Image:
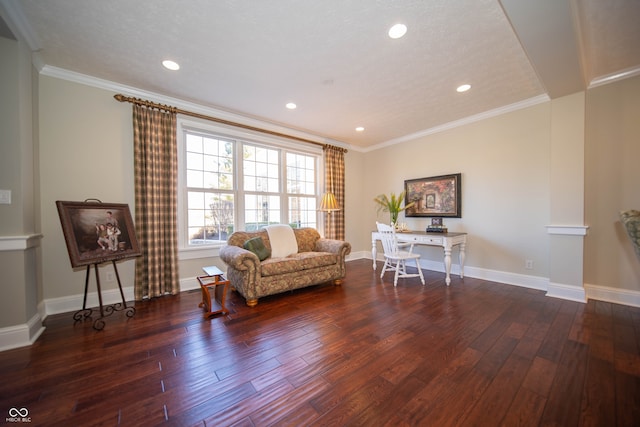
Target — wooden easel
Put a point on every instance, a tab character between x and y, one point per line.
105	311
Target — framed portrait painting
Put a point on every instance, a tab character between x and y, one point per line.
97	232
436	196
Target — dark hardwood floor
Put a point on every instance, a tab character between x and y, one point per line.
364	353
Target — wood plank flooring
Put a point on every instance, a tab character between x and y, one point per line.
365	353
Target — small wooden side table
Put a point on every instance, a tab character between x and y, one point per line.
215	281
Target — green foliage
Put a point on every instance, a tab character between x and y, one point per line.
392	204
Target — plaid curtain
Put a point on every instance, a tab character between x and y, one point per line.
334	182
156	162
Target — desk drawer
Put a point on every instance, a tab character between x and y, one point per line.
428	240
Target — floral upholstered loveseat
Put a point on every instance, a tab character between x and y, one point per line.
317	260
631	221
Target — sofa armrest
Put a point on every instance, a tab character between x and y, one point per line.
239	258
339	247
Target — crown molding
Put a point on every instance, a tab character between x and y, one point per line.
465	121
72	76
614	77
108	85
87	80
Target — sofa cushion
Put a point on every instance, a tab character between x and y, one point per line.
298	262
256	245
283	240
307	239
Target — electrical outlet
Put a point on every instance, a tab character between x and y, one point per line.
5	197
528	264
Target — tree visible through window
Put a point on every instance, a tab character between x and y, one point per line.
210	183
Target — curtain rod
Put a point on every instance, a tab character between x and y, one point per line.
138	101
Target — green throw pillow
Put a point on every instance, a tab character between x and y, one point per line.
256	245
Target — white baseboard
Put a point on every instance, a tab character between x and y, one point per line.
515	279
189	284
26	334
568	292
358	255
74	302
555	290
614	295
21	335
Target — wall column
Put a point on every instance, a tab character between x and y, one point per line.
567	229
20	320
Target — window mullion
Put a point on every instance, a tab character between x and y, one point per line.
239	185
284	194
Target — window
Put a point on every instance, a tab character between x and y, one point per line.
230	183
209	182
301	190
261	177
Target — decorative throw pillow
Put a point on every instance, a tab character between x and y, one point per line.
256	245
283	240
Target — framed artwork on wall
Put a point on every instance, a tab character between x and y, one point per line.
97	232
436	196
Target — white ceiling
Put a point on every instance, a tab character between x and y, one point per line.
333	58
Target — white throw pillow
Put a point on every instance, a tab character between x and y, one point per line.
283	240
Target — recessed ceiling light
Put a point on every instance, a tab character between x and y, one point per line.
359	129
170	65
397	31
291	106
463	88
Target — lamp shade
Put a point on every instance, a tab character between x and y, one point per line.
329	203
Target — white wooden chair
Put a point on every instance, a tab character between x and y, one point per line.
394	257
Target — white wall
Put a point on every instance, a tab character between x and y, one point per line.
356	203
612	162
9	117
504	163
85	152
77	144
566	195
19	253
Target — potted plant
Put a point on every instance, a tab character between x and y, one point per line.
392	204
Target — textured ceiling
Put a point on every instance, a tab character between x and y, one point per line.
334	59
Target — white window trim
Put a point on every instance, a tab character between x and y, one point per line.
185	124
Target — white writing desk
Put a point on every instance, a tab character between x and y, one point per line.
444	240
